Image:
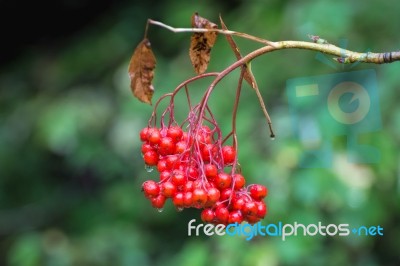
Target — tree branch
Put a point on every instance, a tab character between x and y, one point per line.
342	55
227	32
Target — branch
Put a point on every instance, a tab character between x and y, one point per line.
227	32
343	56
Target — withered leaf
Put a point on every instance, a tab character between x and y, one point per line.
248	75
201	43
141	71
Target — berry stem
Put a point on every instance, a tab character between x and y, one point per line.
261	101
235	107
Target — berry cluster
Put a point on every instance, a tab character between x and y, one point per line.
192	170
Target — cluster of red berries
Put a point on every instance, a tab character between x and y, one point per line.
191	168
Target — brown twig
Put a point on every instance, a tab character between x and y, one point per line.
343	55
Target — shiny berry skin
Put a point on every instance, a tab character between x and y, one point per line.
251	219
249	208
228	154
143	134
235	217
175	133
192	173
173	161
213	195
239	181
199	197
151	189
158	202
258	192
165	175
154	136
210	171
238	203
150	158
197	184
147	147
226	194
261	209
204	135
223	180
222	215
166	146
168	189
207	215
208	151
162	165
177	200
188	186
180	147
178	178
188	199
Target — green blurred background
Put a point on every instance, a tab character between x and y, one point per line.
70	163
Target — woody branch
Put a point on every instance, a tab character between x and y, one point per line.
343	55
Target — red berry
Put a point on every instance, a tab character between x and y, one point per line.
239	181
251	219
210	171
173	162
213	195
192	173
185	137
154	136
235	217
250	208
164	176
188	186
199	197
197	184
238	203
177	200
143	134
258	192
150	158
166	146
168	189
151	189
222	214
147	147
180	147
178	178
162	165
207	215
204	135
158	202
226	194
175	133
208	152
261	209
188	199
228	154
223	180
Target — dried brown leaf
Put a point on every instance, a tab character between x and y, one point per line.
248	75
201	43
141	71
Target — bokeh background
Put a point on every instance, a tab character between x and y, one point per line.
70	163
